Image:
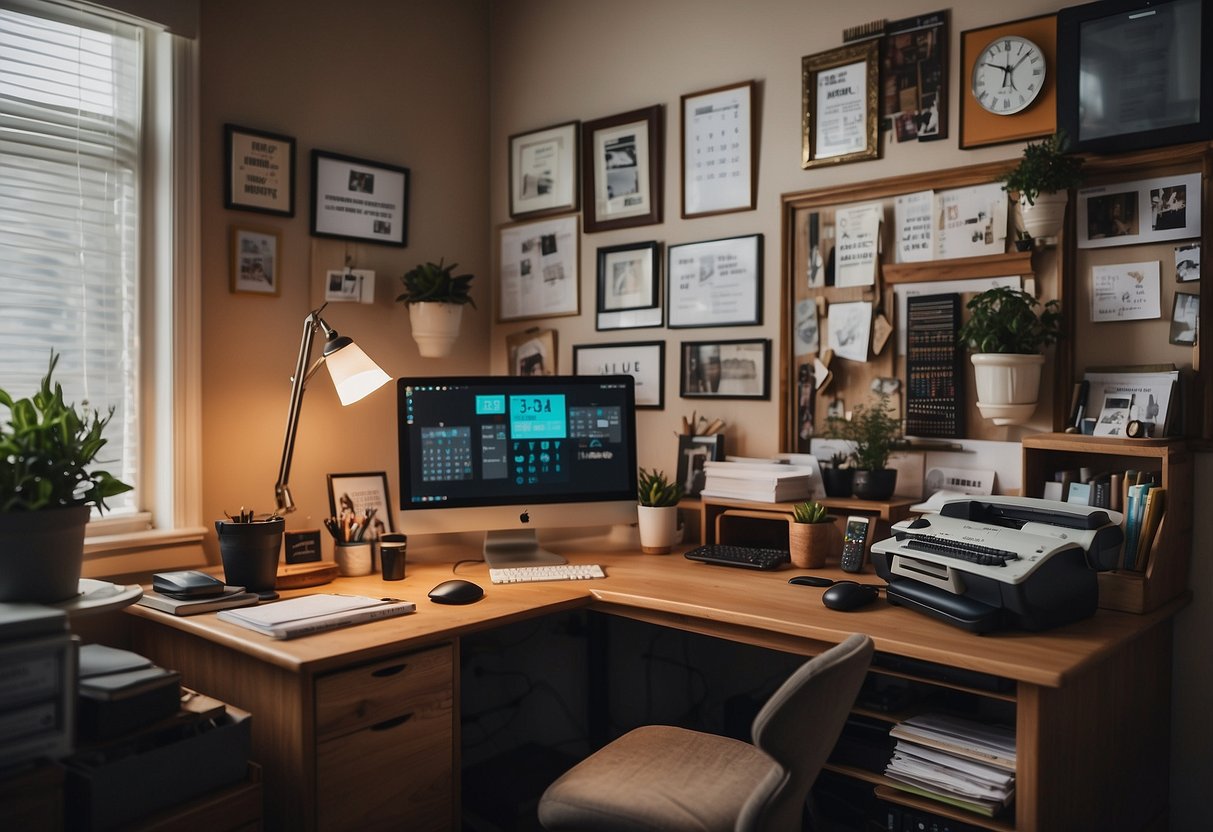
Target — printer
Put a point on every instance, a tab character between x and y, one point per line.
986	563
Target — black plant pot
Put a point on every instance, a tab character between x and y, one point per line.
837	481
875	485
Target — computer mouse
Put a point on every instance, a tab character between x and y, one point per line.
456	592
849	595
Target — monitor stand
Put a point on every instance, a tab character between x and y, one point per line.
506	548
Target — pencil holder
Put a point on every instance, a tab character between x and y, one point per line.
250	553
353	559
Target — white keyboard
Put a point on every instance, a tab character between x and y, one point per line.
560	572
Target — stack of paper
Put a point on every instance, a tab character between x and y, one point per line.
958	761
314	613
766	482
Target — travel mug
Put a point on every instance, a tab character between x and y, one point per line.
392	548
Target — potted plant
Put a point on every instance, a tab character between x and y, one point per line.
838	478
872	430
811	535
435	298
1042	180
658	511
1006	335
249	545
48	488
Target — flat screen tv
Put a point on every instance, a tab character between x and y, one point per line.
1134	74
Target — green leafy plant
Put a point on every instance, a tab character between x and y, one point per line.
436	283
1045	169
810	512
873	430
653	489
47	447
1005	320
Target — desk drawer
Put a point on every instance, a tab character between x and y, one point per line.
385	690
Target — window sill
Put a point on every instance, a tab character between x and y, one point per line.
139	554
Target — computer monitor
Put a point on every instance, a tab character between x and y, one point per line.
512	455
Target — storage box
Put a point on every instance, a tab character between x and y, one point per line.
107	795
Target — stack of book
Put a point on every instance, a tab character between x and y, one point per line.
764	482
957	761
230	596
37	683
121	691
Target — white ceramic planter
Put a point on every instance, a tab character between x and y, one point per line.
1008	386
435	327
658	528
1043	219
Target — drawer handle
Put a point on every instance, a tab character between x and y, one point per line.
393	722
389	671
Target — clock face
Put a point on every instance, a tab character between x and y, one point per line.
1008	75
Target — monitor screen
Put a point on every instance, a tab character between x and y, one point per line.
512	455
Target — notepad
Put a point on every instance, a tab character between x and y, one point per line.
315	613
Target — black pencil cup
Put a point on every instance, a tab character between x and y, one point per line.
250	554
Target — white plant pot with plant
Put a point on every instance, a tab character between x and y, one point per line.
1042	180
435	298
1006	335
47	490
657	512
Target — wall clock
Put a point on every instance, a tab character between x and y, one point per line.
1010	86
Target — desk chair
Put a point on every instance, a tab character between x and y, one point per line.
663	778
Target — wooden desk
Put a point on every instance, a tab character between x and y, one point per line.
1091	699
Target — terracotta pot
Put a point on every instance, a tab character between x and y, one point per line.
658	528
811	544
41	554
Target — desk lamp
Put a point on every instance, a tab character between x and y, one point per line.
354	375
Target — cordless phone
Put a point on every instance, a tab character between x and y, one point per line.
854	543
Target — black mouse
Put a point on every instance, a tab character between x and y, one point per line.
849	595
456	592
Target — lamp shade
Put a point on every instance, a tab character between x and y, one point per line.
354	374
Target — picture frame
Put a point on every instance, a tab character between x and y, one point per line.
1140	211
629	277
693	452
361	492
840	105
1187	263
260	171
715	283
643	360
256	263
622	169
1185	319
538	269
719	158
532	352
544	171
914	77
357	199
978	126
737	369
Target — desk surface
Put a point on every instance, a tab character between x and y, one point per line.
743	605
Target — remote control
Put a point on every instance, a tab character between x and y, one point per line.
854	543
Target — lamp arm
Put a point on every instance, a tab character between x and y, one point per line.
282	490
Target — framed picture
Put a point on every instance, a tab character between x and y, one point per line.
622	169
914	77
256	261
1008	82
538	269
1187	263
1185	319
643	361
719	160
544	170
1141	211
628	277
260	171
725	369
715	283
532	353
356	199
693	452
839	105
361	494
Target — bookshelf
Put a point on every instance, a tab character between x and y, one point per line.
1165	575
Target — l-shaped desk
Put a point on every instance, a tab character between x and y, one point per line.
358	728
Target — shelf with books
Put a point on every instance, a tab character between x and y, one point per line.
1160	572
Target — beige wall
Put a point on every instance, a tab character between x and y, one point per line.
401	83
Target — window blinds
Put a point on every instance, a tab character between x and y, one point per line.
69	225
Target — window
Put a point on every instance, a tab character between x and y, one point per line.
98	241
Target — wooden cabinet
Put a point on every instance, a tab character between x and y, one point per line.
1166	568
